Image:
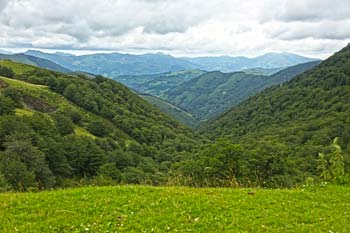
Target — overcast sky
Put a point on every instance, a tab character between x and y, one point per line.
315	28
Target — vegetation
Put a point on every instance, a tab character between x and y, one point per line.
177	113
35	61
213	93
285	127
58	130
177	209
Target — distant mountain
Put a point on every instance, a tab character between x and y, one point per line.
212	93
5	52
157	84
266	61
35	61
262	71
116	64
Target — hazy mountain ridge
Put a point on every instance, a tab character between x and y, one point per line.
115	64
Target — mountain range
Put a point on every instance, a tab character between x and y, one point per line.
115	64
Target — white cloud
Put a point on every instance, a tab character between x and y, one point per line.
180	27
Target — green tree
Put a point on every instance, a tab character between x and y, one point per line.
331	166
7	106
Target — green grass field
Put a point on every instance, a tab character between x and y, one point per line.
177	209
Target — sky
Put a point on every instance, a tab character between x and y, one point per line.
315	28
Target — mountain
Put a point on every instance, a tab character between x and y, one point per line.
212	93
157	84
288	125
177	113
116	64
59	130
5	52
35	61
266	61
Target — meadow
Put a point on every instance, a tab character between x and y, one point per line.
177	209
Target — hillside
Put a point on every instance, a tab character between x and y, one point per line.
280	132
229	64
116	64
35	61
58	130
157	84
177	113
177	209
212	93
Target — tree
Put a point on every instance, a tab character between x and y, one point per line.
331	166
6	71
98	128
7	106
64	125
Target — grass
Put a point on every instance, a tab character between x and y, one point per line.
176	209
23	112
83	132
18	68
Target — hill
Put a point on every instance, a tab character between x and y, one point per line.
229	64
116	64
58	130
177	113
35	61
177	209
279	133
157	84
212	93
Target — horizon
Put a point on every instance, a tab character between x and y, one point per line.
92	52
180	28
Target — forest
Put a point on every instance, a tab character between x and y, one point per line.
61	130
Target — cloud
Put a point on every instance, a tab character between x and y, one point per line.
184	27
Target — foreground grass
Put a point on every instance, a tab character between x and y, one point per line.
176	209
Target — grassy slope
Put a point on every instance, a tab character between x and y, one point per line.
55	100
177	209
35	61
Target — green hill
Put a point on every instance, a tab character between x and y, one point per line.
35	61
212	93
177	209
59	130
177	113
157	84
280	132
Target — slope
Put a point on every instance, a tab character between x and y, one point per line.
35	61
58	130
285	127
157	84
213	93
177	113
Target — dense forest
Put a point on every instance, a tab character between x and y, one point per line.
278	135
59	130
